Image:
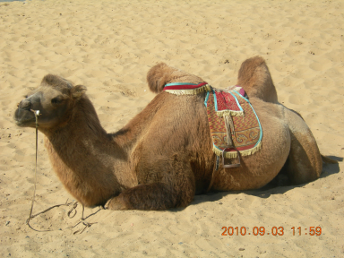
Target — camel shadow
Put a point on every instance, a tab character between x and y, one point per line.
279	185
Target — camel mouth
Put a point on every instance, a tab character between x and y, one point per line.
24	118
23	123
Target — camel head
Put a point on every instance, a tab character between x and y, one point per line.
54	98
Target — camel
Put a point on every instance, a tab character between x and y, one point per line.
163	156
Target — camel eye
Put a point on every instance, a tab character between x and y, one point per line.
57	100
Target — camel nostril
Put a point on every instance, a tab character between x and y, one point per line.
24	104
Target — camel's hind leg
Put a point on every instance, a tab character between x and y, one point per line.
304	163
160	190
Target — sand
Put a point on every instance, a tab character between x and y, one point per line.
109	46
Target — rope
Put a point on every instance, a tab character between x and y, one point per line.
71	213
36	112
73	209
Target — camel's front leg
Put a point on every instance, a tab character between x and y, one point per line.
176	189
116	203
156	196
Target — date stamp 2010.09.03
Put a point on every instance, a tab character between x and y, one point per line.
273	231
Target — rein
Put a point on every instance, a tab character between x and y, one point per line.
36	112
71	213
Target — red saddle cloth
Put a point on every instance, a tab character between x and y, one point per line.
245	131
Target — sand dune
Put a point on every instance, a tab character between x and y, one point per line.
109	46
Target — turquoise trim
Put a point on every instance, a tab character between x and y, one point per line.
216	147
215	100
260	126
236	100
206	99
241	95
179	83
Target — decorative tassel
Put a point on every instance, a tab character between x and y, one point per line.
223	113
234	154
205	88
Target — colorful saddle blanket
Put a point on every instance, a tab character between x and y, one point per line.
243	127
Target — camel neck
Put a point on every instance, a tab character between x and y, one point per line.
82	128
85	157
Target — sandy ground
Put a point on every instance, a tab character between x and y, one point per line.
109	46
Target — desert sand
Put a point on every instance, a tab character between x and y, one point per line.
109	46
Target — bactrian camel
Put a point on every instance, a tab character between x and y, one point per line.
164	156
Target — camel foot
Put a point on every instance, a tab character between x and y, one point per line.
115	203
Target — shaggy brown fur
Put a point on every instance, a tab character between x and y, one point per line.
162	74
255	78
163	156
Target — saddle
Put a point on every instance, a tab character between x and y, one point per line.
234	125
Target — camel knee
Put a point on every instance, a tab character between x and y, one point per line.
116	203
175	189
169	184
302	172
303	165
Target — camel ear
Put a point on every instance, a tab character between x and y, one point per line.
157	77
78	90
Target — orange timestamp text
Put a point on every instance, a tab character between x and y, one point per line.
273	231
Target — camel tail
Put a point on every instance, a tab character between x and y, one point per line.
328	160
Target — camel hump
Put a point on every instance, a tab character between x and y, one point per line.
161	74
156	77
255	78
